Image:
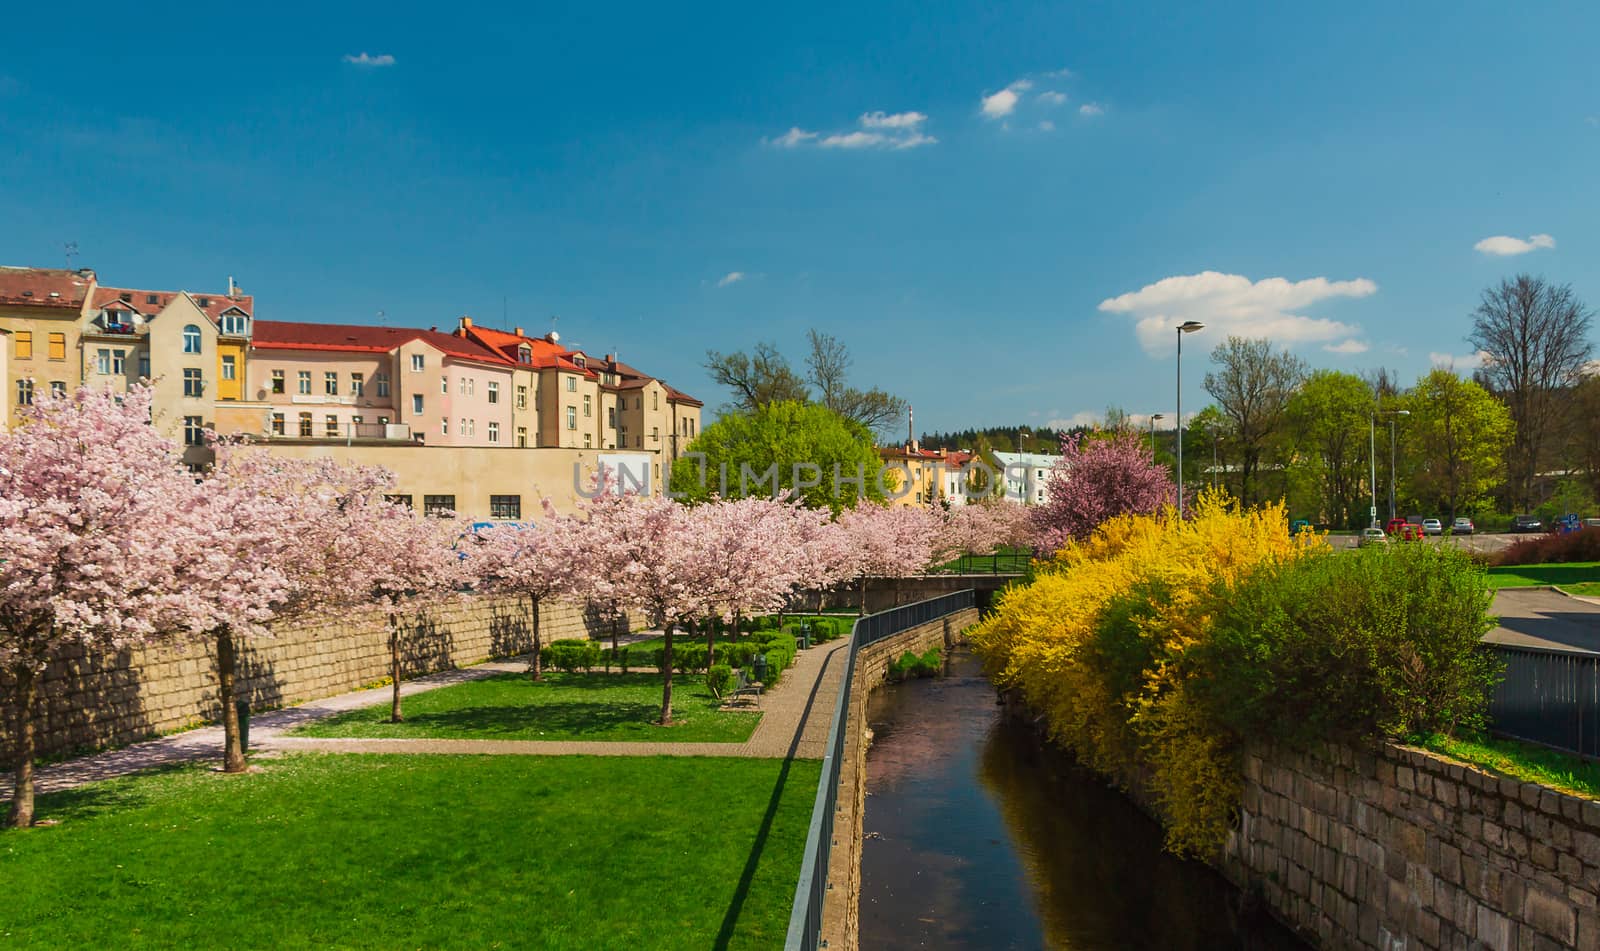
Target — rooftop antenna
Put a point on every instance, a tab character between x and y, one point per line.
71	249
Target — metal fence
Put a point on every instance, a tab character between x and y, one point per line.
1550	697
805	920
1000	563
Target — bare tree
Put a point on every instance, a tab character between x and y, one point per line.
758	378
1252	386
1535	338
827	367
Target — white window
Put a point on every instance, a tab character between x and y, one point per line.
103	361
277	381
416	403
586	440
304	379
194	432
119	361
444	425
461	384
494	392
235	324
330	383
192	384
572	384
572	417
587	407
381	381
522	397
144	366
358	384
277	424
444	385
494	432
417	361
191	339
230	367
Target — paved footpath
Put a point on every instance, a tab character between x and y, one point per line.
795	718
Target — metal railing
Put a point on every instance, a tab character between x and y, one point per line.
1002	563
805	919
1551	697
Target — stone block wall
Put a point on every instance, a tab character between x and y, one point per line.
841	913
91	700
1398	848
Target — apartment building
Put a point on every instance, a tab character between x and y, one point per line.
41	310
1027	475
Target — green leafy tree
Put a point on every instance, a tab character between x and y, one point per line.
1252	384
1455	441
788	447
1327	420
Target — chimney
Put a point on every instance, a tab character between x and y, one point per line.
466	322
519	331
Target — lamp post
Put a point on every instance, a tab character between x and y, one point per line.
1394	418
1187	327
1372	456
1153	418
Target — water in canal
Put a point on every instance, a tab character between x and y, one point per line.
981	837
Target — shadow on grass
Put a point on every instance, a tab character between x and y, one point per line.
1547	574
753	862
576	718
95	799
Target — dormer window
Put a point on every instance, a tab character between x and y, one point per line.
125	298
235	324
524	354
580	361
203	301
152	298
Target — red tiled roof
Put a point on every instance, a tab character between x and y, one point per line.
679	396
44	287
360	338
139	300
545	354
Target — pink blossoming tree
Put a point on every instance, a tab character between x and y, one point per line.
90	498
1096	480
890	541
535	562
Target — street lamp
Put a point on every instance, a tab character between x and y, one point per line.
1372	456
1153	418
1187	327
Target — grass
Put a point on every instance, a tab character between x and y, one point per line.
1578	577
1527	762
1015	560
601	707
417	851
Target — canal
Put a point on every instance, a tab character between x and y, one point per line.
979	836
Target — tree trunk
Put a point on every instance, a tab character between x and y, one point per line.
666	679
863	595
536	667
616	618
396	715
232	751
21	814
711	643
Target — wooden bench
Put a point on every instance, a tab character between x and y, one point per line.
743	686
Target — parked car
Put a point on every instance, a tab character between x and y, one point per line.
1299	525
1462	526
1591	523
1372	536
1526	523
1568	524
1432	526
1403	529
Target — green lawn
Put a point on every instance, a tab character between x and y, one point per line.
1524	761
417	852
1578	577
561	707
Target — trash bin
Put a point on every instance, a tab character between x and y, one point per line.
805	635
760	664
243	708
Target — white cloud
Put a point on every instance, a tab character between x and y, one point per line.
1461	364
1052	98
1091	109
1350	346
854	140
879	130
1059	74
1003	103
732	277
1502	246
1081	418
366	59
794	137
898	120
1233	305
1047	126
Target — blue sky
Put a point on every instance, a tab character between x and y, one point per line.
979	199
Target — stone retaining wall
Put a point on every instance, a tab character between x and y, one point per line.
841	914
1398	848
94	700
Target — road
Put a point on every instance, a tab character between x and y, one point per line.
1543	617
1482	544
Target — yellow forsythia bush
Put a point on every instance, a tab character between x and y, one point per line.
1094	644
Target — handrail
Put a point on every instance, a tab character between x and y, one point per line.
810	892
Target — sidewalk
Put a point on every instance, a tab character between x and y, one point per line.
794	721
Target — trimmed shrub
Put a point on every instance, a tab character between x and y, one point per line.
688	658
571	656
1581	545
718	678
